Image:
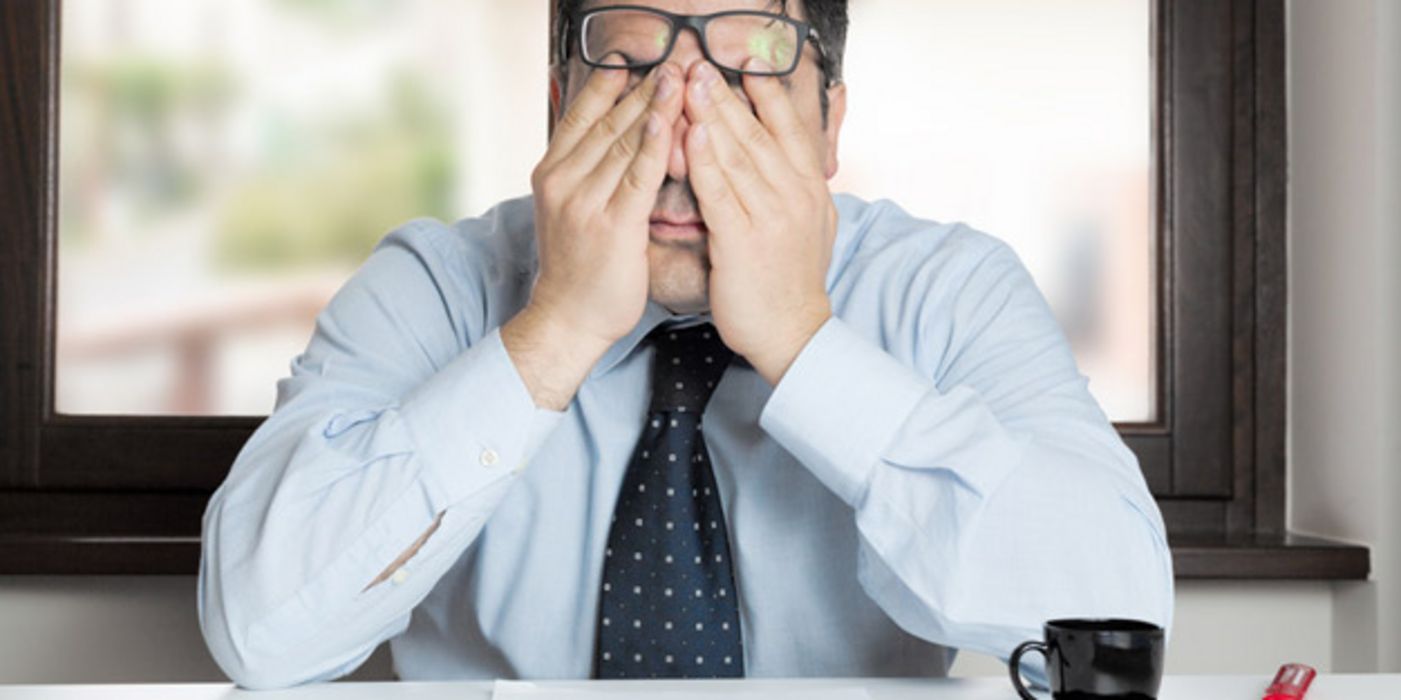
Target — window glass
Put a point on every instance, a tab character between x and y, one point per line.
1029	120
226	165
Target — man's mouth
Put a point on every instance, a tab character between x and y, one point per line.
666	229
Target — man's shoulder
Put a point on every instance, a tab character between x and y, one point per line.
480	269
503	235
881	236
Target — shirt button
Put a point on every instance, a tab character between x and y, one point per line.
400	576
489	458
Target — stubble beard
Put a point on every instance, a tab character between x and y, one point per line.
679	270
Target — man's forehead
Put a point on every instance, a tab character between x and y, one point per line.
705	7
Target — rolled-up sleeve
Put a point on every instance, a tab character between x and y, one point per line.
990	490
403	408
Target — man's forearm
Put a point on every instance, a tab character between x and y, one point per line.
552	361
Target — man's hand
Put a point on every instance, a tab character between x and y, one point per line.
594	193
764	197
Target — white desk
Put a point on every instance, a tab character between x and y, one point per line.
1326	687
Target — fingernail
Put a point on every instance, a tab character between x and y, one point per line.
664	86
706	72
654	125
758	64
700	91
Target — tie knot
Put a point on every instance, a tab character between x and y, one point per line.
688	364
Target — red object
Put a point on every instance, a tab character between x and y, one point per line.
1291	682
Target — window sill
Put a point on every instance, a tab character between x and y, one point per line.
1287	556
61	555
1194	557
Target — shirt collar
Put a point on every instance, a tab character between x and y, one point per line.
653	316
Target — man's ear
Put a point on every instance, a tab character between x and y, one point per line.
556	97
836	114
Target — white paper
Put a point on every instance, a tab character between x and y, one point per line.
675	690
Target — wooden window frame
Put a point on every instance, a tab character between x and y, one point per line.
116	495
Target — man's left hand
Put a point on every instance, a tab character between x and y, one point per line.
763	194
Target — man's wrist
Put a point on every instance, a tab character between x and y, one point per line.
555	331
773	361
551	359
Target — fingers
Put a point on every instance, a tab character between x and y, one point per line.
639	178
720	205
775	107
662	84
636	160
747	158
597	98
712	101
633	168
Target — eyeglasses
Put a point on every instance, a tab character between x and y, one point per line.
643	37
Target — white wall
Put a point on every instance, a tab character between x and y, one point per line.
117	629
1389	222
135	629
1345	400
1233	627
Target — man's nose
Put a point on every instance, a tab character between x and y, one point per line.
687	51
676	164
685	54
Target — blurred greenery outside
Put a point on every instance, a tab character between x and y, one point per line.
134	100
225	165
324	190
340	13
354	181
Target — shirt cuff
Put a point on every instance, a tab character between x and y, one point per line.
475	422
839	405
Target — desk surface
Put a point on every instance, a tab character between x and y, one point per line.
1326	687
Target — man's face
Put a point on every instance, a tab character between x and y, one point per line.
677	251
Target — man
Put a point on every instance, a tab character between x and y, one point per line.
680	413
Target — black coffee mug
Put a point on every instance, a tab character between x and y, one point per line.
1097	659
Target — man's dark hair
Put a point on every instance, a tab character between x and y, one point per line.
828	17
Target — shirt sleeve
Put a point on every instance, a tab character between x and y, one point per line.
990	491
385	423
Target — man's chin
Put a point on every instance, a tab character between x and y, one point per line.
678	305
680	274
695	310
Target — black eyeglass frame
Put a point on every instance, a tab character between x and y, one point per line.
697	23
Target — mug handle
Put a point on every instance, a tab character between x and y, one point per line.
1014	666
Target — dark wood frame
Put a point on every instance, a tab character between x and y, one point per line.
91	494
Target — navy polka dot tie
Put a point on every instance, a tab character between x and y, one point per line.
668	607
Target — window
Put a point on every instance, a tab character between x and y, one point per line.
225	166
124	493
977	112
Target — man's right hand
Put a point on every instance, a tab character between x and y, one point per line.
594	193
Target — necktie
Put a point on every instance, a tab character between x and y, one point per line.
668	607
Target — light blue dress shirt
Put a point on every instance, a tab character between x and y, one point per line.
930	474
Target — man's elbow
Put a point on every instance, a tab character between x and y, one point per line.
256	674
255	669
257	657
227	637
1152	567
229	648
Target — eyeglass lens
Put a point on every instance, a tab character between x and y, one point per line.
642	38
